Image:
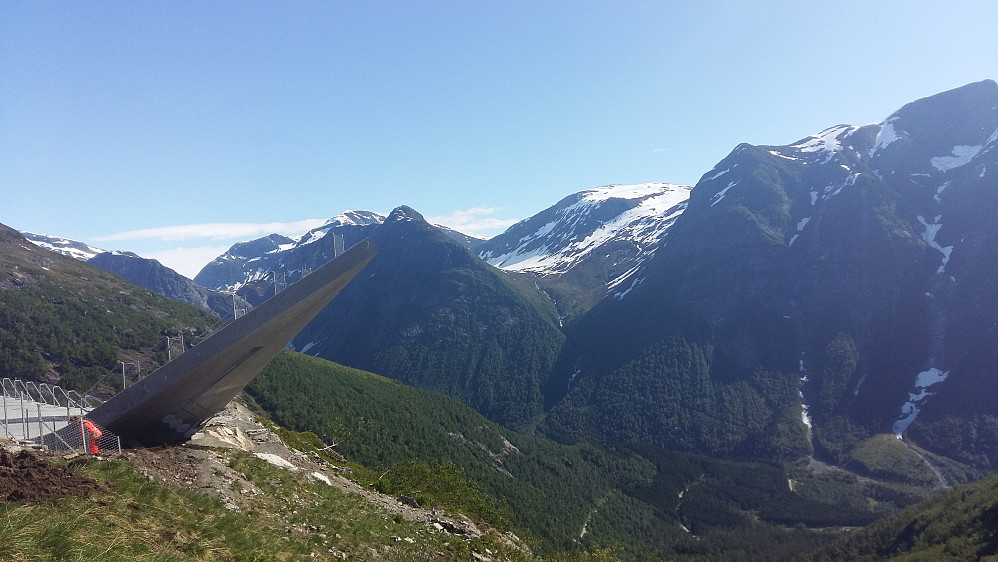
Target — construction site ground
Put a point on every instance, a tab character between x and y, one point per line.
201	465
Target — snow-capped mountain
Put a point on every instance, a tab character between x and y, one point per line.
65	246
558	238
584	246
860	260
248	262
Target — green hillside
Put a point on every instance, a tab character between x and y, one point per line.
428	312
568	497
960	524
66	322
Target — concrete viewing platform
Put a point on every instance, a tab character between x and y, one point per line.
24	420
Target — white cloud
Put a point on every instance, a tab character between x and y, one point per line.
186	261
217	231
477	221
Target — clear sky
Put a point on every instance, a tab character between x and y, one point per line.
174	129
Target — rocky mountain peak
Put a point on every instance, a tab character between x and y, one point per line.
404	213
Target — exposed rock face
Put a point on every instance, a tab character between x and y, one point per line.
163	280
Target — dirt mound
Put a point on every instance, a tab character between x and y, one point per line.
26	477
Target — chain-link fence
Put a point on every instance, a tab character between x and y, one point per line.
46	416
82	436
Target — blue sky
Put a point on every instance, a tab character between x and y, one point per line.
175	129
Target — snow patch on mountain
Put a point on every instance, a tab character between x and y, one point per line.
720	194
356	218
961	154
570	235
65	246
829	140
833	189
346	218
620	279
800	227
781	155
916	400
931	229
805	416
718	174
886	135
940	191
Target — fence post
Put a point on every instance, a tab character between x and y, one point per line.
41	429
6	430
83	435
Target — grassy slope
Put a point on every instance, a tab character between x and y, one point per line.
290	518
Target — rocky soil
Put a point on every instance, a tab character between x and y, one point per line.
202	465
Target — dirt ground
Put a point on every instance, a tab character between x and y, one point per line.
28	477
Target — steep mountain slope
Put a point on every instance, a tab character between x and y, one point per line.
857	259
580	248
163	280
470	242
69	322
429	313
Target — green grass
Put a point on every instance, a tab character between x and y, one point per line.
135	519
884	457
293	518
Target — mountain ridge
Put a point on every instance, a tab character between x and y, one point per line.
782	249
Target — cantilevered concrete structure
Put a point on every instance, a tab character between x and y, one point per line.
173	402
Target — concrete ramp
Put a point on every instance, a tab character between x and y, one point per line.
173	402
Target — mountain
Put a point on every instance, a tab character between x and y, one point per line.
652	502
833	288
67	322
151	274
142	272
65	246
556	239
429	313
583	246
248	262
246	266
468	241
799	300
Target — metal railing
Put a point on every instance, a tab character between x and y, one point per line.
50	417
47	394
